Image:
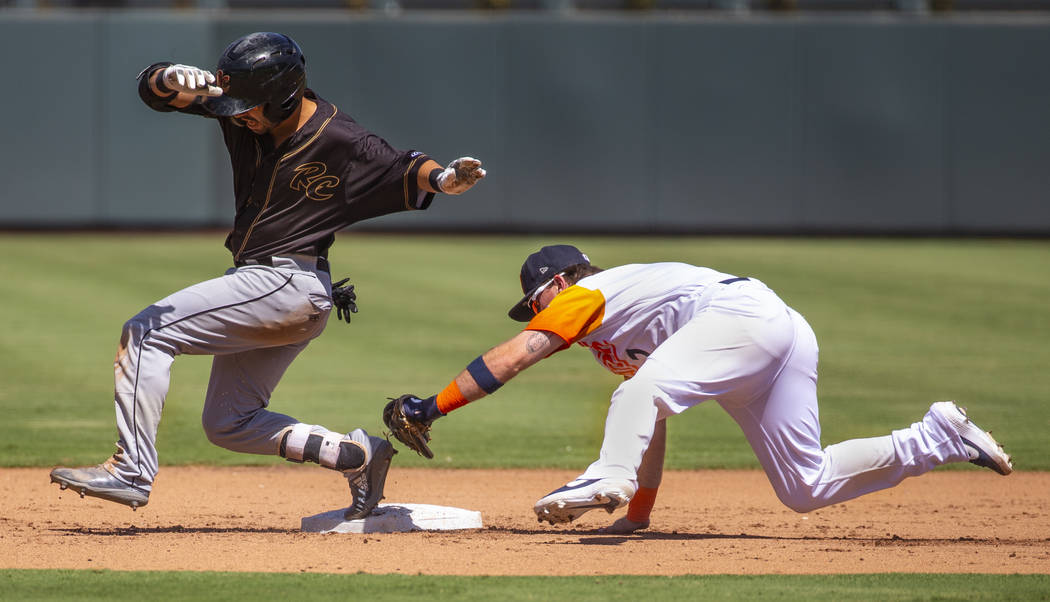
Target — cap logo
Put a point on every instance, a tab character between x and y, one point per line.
543	270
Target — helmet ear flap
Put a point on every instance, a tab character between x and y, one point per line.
277	113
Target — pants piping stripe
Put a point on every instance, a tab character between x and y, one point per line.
138	364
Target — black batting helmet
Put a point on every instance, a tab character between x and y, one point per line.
260	69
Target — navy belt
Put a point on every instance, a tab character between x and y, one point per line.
322	263
732	280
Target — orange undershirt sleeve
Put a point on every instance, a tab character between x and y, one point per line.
641	504
573	314
451	398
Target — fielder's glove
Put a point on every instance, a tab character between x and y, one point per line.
345	299
409	418
460	175
189	80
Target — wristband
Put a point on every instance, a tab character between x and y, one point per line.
433	179
483	376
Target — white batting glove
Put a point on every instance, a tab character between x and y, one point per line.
460	175
190	80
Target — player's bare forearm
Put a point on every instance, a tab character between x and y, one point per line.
509	358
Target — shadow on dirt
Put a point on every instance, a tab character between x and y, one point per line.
595	537
133	531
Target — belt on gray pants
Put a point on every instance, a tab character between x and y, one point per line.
322	262
732	280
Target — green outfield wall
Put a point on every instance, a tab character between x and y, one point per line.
660	122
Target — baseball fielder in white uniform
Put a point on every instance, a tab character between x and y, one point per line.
681	335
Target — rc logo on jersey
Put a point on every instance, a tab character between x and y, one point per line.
311	179
605	352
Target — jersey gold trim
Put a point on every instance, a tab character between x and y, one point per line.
404	180
273	178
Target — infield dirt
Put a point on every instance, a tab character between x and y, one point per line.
705	522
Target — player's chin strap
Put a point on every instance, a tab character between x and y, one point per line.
331	450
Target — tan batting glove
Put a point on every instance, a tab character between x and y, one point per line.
190	80
460	175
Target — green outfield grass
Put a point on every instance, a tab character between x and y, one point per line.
901	323
115	586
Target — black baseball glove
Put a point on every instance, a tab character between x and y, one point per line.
409	418
345	299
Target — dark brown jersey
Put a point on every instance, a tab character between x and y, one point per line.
329	174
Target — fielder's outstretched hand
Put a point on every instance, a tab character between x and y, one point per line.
409	419
190	80
460	175
623	526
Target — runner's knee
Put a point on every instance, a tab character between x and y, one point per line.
142	329
228	428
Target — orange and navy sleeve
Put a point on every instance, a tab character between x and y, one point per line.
572	315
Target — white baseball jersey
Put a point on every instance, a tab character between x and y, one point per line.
622	314
683	334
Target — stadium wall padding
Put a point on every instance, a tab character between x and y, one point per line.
658	123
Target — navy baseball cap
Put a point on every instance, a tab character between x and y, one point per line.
538	269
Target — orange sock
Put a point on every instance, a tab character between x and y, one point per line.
641	504
451	398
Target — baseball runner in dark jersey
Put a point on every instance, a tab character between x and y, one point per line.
302	171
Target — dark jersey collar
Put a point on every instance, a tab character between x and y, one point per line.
324	110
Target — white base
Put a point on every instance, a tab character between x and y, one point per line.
395	518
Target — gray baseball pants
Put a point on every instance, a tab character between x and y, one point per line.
255	320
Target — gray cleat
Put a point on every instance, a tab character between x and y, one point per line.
366	483
98	482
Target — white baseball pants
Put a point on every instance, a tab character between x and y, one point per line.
255	320
758	358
